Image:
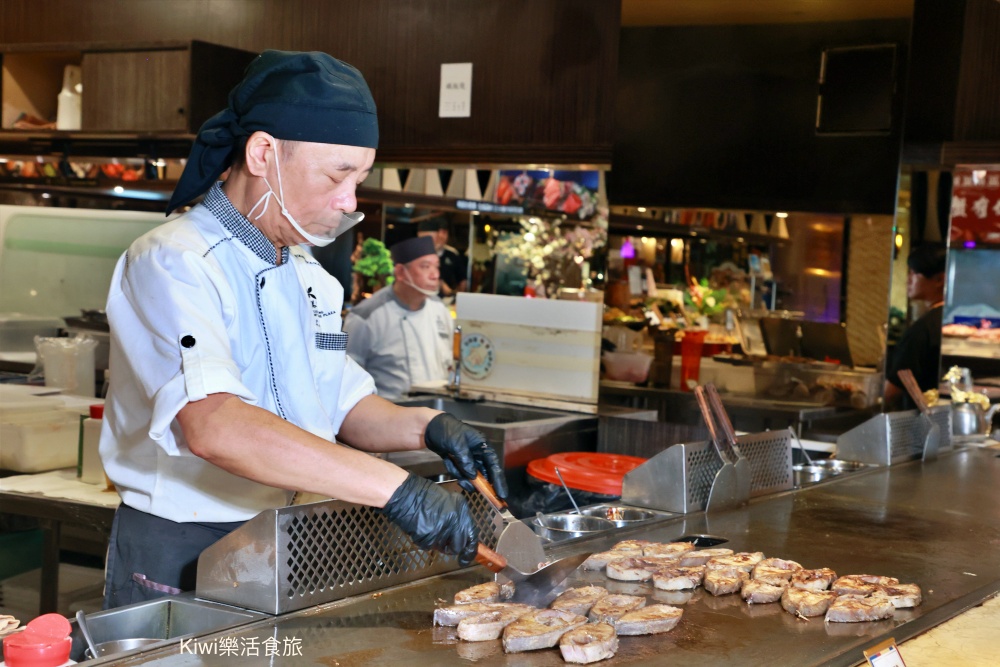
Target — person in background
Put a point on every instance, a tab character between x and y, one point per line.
230	385
402	333
919	348
454	266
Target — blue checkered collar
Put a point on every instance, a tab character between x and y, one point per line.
242	229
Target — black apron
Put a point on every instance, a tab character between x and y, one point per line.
150	557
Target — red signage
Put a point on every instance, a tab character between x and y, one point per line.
975	207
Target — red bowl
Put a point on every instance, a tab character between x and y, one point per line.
27	649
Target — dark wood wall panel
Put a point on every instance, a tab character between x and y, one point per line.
977	105
542	70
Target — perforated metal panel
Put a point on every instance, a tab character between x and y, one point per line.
296	557
941	415
679	479
702	465
770	457
886	439
906	436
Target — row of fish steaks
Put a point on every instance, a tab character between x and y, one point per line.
586	622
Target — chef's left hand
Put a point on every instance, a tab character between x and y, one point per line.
465	451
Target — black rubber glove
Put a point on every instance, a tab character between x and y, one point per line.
434	518
465	451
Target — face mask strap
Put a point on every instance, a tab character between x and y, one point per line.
409	281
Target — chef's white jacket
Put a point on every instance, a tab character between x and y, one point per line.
199	306
398	346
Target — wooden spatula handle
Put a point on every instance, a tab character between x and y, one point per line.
482	485
490	559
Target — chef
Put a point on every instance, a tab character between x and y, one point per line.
402	334
230	385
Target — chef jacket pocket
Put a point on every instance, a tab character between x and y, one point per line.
191	367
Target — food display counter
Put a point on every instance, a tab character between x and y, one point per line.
934	523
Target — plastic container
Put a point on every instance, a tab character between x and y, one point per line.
38	440
626	366
45	642
69	363
69	113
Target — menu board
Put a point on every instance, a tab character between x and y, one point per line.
975	207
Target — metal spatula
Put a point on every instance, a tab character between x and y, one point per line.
536	586
744	474
518	543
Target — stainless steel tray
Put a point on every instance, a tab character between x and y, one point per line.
300	556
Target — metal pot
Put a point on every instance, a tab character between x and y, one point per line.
564	526
121	646
621	516
970	419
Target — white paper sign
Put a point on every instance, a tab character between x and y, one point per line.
456	91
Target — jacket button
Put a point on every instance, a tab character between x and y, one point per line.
187	341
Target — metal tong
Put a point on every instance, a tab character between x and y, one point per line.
731	487
932	440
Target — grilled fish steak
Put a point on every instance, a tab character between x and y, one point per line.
589	643
675	549
723	581
859	608
702	556
775	571
744	561
610	608
804	603
488	626
813	580
903	595
632	545
579	600
638	569
488	592
757	591
541	628
678	578
600	560
455	613
651	620
861	584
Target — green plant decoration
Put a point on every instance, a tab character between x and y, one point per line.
375	264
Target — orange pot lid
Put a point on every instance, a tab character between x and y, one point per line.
586	471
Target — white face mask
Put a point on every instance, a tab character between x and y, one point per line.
347	220
425	292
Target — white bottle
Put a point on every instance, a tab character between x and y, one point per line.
68	117
91	468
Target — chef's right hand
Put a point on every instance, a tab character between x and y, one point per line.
434	518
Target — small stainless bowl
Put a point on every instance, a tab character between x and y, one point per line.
620	516
837	466
563	526
811	474
120	646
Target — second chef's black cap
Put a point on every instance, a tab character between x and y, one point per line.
294	95
406	251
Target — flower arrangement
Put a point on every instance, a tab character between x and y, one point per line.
546	250
705	300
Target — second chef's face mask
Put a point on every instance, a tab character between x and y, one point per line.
345	221
409	281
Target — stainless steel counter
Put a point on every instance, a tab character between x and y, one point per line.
936	524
